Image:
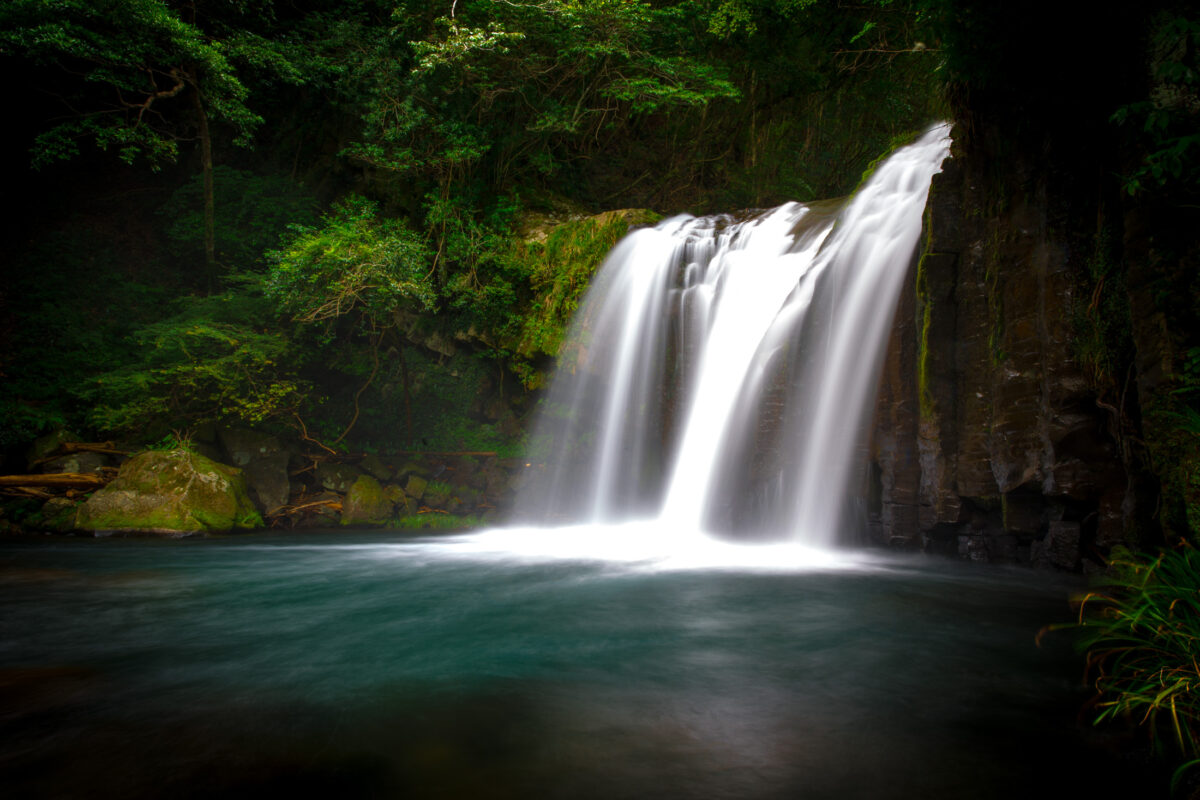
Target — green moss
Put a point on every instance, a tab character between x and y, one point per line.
560	268
366	503
163	491
928	407
903	139
995	300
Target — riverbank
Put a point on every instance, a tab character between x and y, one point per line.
238	479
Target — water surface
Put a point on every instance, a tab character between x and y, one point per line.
506	664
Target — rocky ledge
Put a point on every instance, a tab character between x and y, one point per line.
238	479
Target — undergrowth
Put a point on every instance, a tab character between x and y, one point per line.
1141	631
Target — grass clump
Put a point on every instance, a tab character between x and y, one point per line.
437	521
1141	631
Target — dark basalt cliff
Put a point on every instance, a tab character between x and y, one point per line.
992	440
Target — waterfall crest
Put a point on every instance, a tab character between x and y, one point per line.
719	373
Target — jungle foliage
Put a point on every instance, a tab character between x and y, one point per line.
341	197
435	137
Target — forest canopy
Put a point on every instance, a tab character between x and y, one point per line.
205	180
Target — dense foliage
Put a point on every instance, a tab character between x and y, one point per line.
438	136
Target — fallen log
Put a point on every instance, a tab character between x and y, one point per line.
67	448
344	457
479	453
57	480
107	448
26	491
283	511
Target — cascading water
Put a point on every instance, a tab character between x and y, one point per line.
719	373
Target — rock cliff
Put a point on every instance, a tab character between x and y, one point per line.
992	439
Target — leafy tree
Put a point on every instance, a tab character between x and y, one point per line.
134	76
501	94
355	276
252	213
217	358
356	265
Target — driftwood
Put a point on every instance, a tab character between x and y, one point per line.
479	453
107	448
67	448
288	515
56	480
284	511
343	457
25	491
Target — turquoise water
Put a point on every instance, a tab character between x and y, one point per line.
368	665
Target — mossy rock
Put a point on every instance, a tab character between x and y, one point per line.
367	503
174	492
437	496
404	504
415	488
44	446
412	468
336	477
374	466
58	514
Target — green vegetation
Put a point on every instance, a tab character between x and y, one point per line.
1103	344
212	288
207	363
1164	123
356	265
1141	630
370	221
558	270
436	521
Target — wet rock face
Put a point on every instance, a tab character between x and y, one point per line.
988	441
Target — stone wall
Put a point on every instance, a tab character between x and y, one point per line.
989	441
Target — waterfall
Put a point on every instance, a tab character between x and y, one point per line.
719	374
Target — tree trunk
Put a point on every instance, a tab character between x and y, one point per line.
408	430
206	164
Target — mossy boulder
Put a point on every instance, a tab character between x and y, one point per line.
374	466
404	504
438	495
366	503
264	461
174	492
336	477
58	514
415	488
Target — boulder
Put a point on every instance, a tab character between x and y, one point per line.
336	477
405	505
264	461
415	488
44	446
373	466
1060	548
412	468
173	492
366	503
76	462
58	514
437	496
